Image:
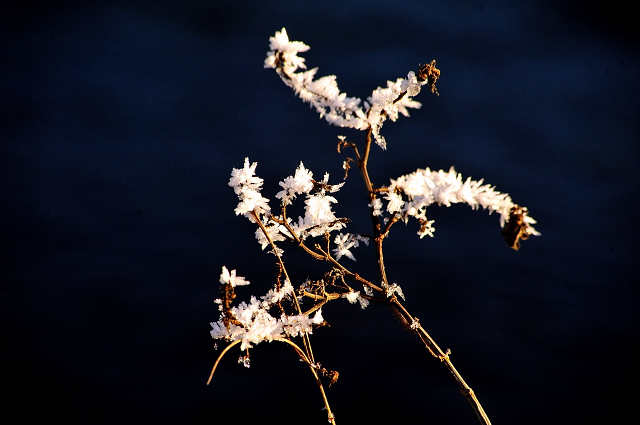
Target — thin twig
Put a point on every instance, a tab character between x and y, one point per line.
312	366
220	357
415	327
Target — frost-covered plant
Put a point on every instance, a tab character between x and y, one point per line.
286	312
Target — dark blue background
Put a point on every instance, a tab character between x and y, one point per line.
121	123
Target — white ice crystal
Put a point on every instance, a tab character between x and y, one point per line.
230	278
319	217
344	243
247	186
300	324
276	232
394	288
377	207
277	295
261	327
354	296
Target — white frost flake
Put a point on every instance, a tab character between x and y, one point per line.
230	278
344	243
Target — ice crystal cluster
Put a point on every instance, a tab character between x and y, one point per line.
424	187
252	322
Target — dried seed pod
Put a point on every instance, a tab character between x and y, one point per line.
517	227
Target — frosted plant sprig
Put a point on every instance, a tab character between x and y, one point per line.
284	312
424	187
324	95
319	217
252	323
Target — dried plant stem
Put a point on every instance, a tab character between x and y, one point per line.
412	324
330	415
377	233
257	323
302	355
408	321
227	348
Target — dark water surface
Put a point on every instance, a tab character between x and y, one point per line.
121	123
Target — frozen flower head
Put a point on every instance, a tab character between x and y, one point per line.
243	179
519	226
280	42
247	186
